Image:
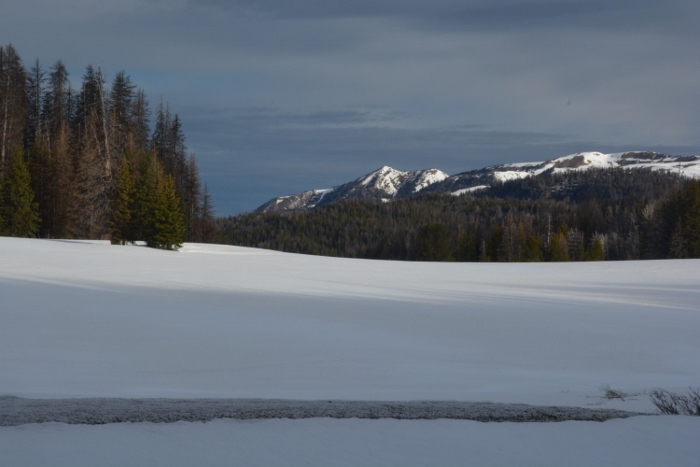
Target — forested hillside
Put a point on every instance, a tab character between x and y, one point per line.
85	163
598	214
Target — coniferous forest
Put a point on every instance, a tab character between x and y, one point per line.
617	214
84	163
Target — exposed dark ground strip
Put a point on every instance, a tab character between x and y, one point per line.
18	411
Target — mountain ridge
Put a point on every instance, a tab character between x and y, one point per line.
386	183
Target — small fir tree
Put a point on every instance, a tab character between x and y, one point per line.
596	253
168	220
559	249
19	210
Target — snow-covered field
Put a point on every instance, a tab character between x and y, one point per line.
87	319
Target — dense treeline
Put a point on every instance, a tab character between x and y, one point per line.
85	164
589	215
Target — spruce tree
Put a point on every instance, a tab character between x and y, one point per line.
144	199
19	210
168	220
156	216
121	226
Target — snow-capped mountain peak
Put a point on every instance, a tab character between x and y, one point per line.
385	178
384	184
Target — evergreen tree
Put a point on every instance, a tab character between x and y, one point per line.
531	249
56	107
140	116
121	99
35	96
208	230
191	199
559	249
20	212
168	221
145	199
596	252
160	131
121	226
157	216
88	106
13	103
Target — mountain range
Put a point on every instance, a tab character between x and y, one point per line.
386	183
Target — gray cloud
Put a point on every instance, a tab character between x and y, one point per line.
279	96
268	152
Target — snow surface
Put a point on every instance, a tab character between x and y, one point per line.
640	442
87	319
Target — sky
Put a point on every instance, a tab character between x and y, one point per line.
280	96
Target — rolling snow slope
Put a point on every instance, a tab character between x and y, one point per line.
89	319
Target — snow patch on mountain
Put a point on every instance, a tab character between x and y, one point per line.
688	166
469	190
510	175
425	178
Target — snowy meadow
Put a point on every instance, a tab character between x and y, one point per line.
85	319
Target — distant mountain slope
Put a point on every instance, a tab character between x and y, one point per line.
467	181
386	183
382	184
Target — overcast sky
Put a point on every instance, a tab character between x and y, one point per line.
281	96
